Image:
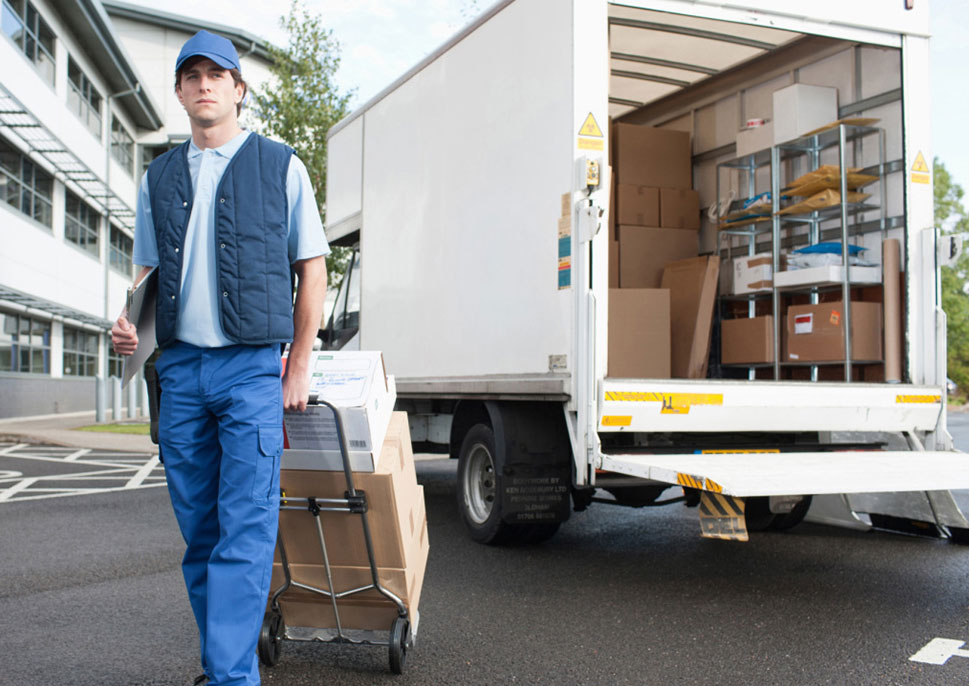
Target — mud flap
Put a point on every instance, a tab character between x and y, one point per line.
535	459
722	516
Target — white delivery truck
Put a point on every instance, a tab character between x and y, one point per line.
476	190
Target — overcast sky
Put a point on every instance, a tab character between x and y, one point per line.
381	39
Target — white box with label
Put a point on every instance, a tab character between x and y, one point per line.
357	383
801	108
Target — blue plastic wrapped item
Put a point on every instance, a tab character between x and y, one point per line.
829	247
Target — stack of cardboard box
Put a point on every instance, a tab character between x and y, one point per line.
655	222
398	528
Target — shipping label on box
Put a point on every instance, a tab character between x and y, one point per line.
357	384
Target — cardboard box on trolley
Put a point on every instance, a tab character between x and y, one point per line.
358	384
398	528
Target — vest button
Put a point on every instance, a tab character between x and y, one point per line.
173	297
222	246
221	200
225	294
185	203
176	249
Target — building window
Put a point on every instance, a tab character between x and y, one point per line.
25	186
81	224
150	152
25	27
24	344
122	146
82	99
120	252
80	352
115	364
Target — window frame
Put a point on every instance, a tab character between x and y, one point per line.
81	222
89	99
36	38
126	160
114	251
25	181
20	350
78	354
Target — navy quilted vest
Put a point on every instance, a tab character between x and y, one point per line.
254	282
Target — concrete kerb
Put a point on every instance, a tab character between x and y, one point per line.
61	430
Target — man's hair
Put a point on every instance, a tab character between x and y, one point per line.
235	73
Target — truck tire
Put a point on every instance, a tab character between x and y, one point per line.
757	514
479	493
789	520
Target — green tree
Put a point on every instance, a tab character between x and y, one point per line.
301	102
951	217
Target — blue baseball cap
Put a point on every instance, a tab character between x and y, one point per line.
204	44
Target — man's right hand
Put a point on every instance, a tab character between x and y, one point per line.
124	336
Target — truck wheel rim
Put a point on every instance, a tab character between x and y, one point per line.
479	484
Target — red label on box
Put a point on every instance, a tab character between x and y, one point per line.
835	318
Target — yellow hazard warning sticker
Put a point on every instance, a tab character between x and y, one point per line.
617	420
722	516
920	170
671	403
590	127
918	399
590	135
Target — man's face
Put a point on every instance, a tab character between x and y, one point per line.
208	93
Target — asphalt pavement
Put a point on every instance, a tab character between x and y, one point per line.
91	593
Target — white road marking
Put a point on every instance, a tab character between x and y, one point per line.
939	650
8	493
11	448
135	471
142	473
76	454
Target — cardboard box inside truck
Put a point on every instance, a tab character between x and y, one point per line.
643	252
693	288
815	333
747	340
637	205
647	156
679	208
639	333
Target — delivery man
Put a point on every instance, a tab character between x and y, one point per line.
227	217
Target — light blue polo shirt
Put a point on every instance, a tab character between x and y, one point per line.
198	303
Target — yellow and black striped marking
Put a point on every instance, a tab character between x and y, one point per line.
671	403
722	516
713	486
690	481
918	399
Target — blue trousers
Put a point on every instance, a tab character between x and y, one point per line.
220	429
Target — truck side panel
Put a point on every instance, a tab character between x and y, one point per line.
460	278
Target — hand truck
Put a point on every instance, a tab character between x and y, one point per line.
399	639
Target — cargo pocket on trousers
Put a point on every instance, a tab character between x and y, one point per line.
267	466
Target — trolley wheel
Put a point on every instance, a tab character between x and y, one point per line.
270	643
399	637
